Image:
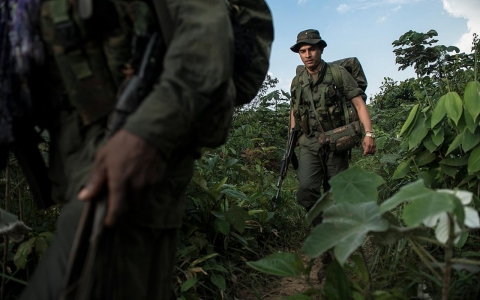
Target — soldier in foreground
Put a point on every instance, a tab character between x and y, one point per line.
145	166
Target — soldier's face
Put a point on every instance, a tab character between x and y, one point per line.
311	56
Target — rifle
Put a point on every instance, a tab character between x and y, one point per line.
91	232
288	156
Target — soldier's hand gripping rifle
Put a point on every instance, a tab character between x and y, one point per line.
288	156
91	232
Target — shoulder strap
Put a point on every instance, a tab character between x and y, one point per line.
337	79
164	19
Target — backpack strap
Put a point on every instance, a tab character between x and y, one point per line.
164	19
337	79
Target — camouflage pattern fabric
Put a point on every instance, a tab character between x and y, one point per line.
195	86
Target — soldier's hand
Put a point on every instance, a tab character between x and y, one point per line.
369	146
126	164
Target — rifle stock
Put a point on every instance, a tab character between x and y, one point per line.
91	232
288	156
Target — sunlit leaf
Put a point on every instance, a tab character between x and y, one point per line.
439	137
474	161
409	192
279	264
453	106
472	99
219	281
402	169
418	133
429	205
470	140
344	228
355	185
410	119
439	112
471	125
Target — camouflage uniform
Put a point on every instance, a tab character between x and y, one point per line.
312	159
194	86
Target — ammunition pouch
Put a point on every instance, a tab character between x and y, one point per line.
341	139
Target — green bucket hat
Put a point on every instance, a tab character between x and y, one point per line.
309	36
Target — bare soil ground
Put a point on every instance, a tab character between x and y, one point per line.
284	287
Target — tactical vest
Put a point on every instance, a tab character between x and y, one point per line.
94	56
326	107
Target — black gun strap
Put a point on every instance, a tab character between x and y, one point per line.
165	20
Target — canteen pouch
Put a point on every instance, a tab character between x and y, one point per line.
342	138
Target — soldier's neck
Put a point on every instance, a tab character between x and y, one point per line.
316	69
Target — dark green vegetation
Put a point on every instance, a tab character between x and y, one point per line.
380	227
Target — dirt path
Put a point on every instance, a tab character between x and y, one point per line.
284	287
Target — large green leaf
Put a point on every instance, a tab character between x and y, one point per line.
219	281
471	125
424	158
418	134
455	161
402	169
472	99
453	106
474	161
408	192
344	227
470	140
428	142
410	119
439	137
279	264
456	143
237	216
439	112
427	206
355	185
337	285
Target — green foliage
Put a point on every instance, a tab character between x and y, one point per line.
347	224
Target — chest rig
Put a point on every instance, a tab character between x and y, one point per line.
320	105
94	55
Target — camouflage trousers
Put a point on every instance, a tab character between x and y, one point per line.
311	174
140	260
